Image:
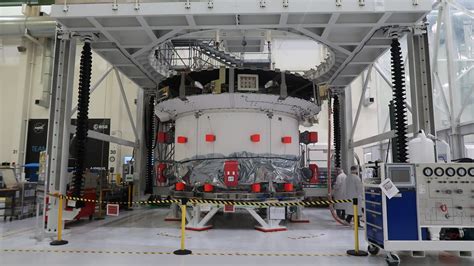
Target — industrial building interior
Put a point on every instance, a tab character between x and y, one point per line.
237	132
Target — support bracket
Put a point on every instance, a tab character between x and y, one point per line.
196	223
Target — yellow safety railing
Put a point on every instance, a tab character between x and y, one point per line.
183	206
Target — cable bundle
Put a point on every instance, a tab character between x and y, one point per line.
399	98
337	132
82	119
150	137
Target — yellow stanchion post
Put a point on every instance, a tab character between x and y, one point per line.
356	251
183	250
60	241
129	197
100	217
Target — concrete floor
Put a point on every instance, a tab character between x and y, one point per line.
141	237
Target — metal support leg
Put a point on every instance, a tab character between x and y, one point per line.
297	216
59	121
456	139
173	215
125	102
198	224
347	151
283	87
268	225
140	159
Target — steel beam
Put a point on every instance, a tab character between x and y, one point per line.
459	7
437	37
443	95
466	102
387	80
231	80
107	138
361	101
379	137
127	107
92	89
283	87
463	129
382	73
456	138
140	152
347	151
420	82
59	121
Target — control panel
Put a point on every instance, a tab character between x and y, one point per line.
445	194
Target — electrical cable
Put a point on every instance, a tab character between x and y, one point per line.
329	179
82	121
149	143
399	100
337	131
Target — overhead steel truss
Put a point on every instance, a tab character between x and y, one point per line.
353	30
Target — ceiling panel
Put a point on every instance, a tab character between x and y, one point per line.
131	37
306	18
119	22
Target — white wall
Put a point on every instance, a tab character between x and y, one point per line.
15	93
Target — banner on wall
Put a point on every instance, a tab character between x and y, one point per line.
97	151
97	154
35	144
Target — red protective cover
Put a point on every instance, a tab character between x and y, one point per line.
180	186
231	173
256	188
160	169
208	187
161	137
255	138
210	138
315	177
313	137
182	139
286	140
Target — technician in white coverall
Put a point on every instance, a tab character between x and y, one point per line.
338	193
353	188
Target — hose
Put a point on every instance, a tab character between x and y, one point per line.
399	97
337	132
331	206
82	121
149	142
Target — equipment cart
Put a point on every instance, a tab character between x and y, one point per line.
431	198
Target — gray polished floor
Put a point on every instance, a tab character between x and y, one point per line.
141	237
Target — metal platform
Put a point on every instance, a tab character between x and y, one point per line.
351	29
239	196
